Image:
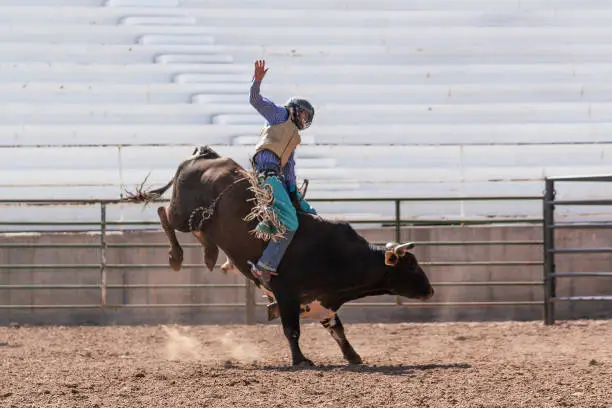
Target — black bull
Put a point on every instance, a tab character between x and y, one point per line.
327	264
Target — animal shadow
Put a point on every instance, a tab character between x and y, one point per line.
398	369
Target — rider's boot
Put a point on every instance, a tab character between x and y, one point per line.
263	274
266	267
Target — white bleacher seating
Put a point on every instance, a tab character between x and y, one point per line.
414	98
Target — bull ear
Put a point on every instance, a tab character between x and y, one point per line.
400	250
391	258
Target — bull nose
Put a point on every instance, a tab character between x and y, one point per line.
430	294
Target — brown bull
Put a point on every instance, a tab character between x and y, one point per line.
327	264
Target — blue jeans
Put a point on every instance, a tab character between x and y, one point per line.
275	250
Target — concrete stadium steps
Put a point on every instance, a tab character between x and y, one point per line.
467	156
115	135
353	54
398	157
480	5
419	98
366	114
308	54
237	93
34	4
328	114
85	53
461	134
361	171
78	114
22	12
364	136
305	76
178	32
425	163
54	168
129	74
551	92
506	6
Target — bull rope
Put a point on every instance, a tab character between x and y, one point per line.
207	212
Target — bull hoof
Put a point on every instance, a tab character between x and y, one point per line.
175	265
355	360
273	311
303	363
175	261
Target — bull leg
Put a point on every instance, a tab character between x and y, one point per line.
290	318
211	250
175	254
336	329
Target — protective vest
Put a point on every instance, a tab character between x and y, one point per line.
281	139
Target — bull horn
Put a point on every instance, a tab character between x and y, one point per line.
401	249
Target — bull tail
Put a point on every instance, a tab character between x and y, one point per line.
146	196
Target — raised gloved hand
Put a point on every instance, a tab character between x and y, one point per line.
307	207
260	70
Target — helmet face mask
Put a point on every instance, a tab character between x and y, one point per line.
302	113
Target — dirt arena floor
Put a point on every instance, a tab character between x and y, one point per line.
406	365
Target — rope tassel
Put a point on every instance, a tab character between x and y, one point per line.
269	226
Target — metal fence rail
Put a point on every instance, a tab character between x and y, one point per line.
550	248
101	227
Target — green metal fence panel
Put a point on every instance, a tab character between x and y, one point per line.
551	251
103	267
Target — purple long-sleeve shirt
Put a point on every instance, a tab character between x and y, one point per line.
274	115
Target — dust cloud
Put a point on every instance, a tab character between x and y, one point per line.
239	349
180	345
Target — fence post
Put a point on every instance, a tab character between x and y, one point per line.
398	229
250	303
549	255
103	253
398	238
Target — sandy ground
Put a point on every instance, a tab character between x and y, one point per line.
406	365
